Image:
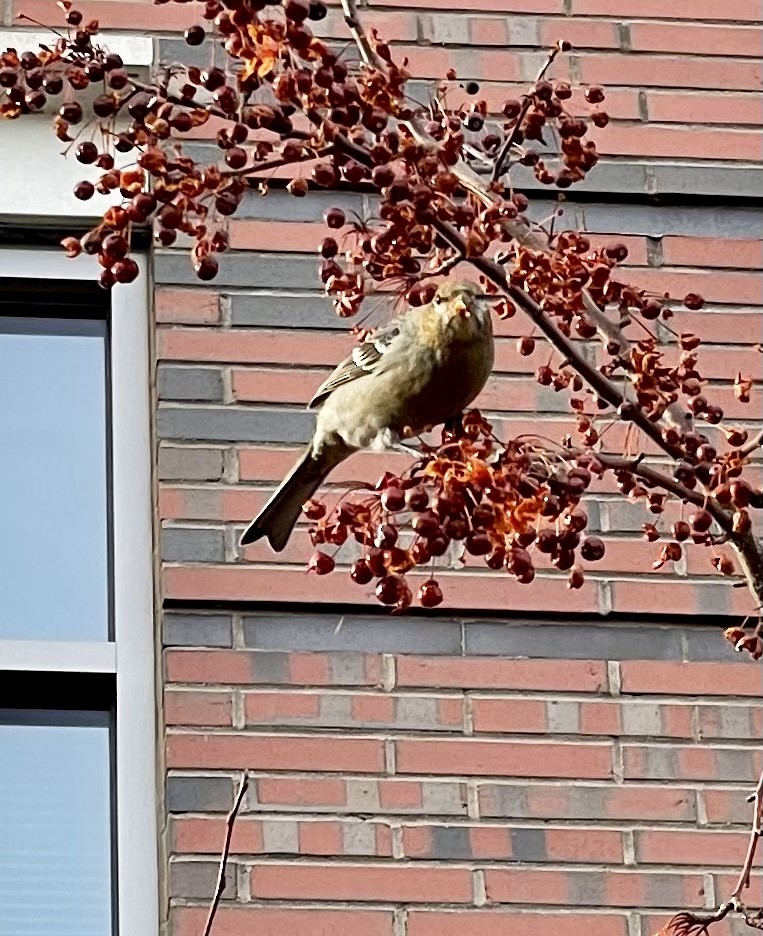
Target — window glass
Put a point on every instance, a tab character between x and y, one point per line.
55	826
53	480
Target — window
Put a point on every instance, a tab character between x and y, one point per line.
78	846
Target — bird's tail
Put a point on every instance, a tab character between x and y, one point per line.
279	516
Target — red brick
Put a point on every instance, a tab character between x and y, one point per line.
672	846
599	718
670	71
504	758
373	709
503	6
320	838
636	802
491	673
410	884
690	763
499	923
488	30
400	794
584	845
284	921
727	807
711	252
251	346
741	10
694	108
701	39
726	721
450	712
187	306
621	888
276	752
268	707
488	842
672	678
131	15
582	33
714	286
282	236
671	142
509	715
681	597
206	835
198	708
301	791
208	666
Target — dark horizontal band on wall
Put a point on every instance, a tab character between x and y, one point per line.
35	231
350	630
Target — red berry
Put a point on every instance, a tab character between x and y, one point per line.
416	498
478	544
236	157
334	218
87	153
526	345
298	187
594	94
593	549
393	499
390	589
84	190
693	301
314	510
321	563
195	35
125	271
701	521
430	594
361	572
207	268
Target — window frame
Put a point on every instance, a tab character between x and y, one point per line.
130	655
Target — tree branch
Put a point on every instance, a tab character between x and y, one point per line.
510	140
229	823
352	22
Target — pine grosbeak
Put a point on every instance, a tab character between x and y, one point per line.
419	371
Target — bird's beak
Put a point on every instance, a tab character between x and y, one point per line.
462	308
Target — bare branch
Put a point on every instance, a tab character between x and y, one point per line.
511	139
755	443
229	823
352	21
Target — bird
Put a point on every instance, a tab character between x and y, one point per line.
416	372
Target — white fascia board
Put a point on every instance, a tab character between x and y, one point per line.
136	51
37	179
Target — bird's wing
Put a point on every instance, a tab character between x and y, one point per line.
363	359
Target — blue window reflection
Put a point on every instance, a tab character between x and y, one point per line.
55	828
53	480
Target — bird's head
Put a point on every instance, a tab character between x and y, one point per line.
460	297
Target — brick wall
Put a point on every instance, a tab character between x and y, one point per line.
421	778
496	773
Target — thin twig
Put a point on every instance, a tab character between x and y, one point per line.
512	137
229	823
755	443
756	831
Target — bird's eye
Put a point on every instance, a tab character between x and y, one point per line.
438	300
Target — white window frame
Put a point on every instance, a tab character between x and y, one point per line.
130	657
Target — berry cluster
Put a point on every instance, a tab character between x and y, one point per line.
514	506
